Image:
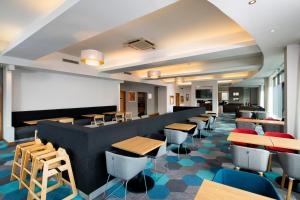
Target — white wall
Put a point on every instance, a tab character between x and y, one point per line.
40	90
183	91
170	92
292	89
205	85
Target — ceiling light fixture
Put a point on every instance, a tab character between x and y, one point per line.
92	57
153	74
252	2
272	30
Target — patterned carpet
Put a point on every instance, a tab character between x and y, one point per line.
180	181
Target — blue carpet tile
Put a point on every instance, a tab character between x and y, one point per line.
174	178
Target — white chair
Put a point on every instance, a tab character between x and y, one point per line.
246	114
124	167
109	123
162	150
175	137
144	116
135	118
250	158
246	125
290	164
200	125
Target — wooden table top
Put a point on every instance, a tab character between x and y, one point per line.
34	122
110	113
254	111
250	139
93	115
211	190
138	145
260	121
293	144
181	126
202	118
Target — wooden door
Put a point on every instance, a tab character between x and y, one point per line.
177	103
122	101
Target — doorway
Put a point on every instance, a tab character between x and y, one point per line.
177	103
142	103
122	101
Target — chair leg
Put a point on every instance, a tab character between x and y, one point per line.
106	185
145	183
125	190
270	163
261	173
290	187
283	180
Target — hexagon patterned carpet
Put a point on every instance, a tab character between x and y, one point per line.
174	178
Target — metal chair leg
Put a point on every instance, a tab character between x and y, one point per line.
145	182
106	185
126	190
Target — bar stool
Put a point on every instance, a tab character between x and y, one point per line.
29	156
52	164
19	157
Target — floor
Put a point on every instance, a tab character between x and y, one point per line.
180	181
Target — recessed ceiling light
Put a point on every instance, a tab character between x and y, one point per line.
252	2
272	30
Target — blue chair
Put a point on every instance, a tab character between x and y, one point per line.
246	181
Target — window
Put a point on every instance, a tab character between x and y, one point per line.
278	91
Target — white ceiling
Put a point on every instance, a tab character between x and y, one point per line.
16	16
84	19
195	37
259	19
195	23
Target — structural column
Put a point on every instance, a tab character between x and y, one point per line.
8	129
292	87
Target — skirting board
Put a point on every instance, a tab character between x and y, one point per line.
99	191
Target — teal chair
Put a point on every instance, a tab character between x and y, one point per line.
247	181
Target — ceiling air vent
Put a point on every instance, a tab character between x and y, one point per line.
141	44
70	61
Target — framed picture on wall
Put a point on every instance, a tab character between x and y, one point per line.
187	97
131	96
171	100
181	99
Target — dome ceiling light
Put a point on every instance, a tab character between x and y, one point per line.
153	74
92	57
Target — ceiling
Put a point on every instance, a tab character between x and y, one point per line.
273	24
25	13
192	38
189	23
195	39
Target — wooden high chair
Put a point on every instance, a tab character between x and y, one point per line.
29	156
52	164
19	156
